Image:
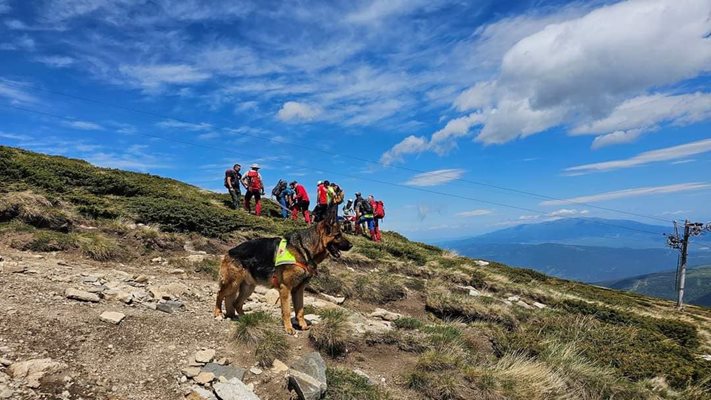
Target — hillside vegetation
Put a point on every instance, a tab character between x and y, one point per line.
464	330
663	285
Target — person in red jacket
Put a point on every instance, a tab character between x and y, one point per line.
252	181
301	202
321	200
376	222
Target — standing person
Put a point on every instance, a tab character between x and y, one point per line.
288	195
378	214
365	214
322	198
349	216
252	181
232	183
278	193
337	195
301	202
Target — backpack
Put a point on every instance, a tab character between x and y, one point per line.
365	207
379	211
340	195
255	182
279	188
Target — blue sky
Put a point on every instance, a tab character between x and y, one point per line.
598	102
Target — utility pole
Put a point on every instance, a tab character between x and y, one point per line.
682	244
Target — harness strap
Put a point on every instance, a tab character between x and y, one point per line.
310	271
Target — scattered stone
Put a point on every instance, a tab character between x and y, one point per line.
177	271
706	357
308	376
170	306
196	258
116	294
204	378
524	305
81	295
481	263
34	370
204	356
227	372
256	370
112	317
6	392
279	367
96	289
234	389
385	314
141	279
261	290
513	298
333	299
539	305
90	279
198	393
223	361
313	318
158	260
271	297
5	362
190	372
364	375
14	268
169	292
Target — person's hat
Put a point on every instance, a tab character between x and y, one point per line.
357	194
255	166
319	182
293	183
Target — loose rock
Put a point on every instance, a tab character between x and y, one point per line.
204	378
170	306
279	367
271	297
227	372
190	372
81	295
333	299
34	370
256	370
204	356
385	314
308	376
234	389
198	393
112	317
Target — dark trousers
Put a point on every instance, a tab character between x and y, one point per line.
235	194
257	200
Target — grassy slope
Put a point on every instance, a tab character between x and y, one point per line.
698	285
590	341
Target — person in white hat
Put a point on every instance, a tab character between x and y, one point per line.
252	181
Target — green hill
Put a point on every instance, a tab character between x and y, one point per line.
467	331
663	285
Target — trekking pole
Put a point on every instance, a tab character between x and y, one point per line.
280	206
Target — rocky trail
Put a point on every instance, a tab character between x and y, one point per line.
71	328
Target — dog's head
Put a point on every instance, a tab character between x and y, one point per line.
330	233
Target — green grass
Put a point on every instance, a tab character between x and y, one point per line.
344	384
252	327
332	334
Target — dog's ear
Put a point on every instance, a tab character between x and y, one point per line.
332	215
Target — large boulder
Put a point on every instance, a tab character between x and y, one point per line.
307	376
226	371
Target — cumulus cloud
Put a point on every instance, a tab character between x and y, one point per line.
590	71
665	154
293	111
635	192
474	213
434	178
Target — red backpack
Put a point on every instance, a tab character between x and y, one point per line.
379	209
255	182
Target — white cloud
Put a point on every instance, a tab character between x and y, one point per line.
154	77
14	136
474	213
179	125
579	70
84	125
636	192
295	111
434	178
15	91
4	6
56	61
665	154
566	212
644	113
409	145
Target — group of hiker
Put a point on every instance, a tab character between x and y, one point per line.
359	214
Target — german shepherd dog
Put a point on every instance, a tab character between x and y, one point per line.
252	263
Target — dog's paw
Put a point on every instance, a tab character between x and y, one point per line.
290	330
219	317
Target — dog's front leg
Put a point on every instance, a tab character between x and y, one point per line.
286	309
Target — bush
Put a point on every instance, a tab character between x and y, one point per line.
378	289
270	346
100	248
46	241
344	384
34	210
467	308
408	323
331	335
253	327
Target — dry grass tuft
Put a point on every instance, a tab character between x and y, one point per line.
332	334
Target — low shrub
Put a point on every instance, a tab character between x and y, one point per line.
467	308
331	335
408	323
46	241
344	384
100	248
253	327
270	346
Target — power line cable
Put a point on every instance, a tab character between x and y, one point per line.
369	179
362	159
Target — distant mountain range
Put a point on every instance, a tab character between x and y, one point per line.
663	284
584	249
